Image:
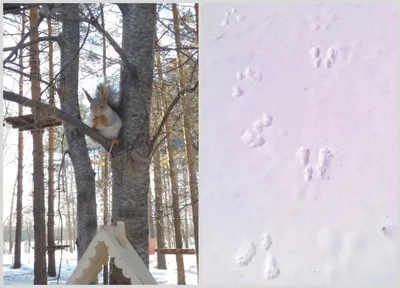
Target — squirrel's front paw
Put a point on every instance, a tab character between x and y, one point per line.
94	122
102	120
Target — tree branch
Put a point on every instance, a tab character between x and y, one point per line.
16	98
131	68
16	48
29	76
40	39
168	111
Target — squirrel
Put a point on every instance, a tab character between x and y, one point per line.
103	117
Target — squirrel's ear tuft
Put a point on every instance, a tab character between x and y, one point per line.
90	99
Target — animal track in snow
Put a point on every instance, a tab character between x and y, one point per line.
324	159
246	252
317	22
271	269
253	136
308	172
339	247
236	91
249	73
323	163
304	155
329	60
240	18
266	241
225	21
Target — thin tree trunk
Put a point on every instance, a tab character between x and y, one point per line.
10	221
50	214
20	188
167	204
152	230
161	262
175	205
73	204
131	177
68	204
77	146
186	209
192	165
39	215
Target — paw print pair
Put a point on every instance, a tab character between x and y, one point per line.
248	250
330	58
324	158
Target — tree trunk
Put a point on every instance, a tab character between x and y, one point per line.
175	205
130	175
69	225
50	214
105	170
192	165
20	187
77	147
158	175
39	215
152	230
161	263
167	204
73	205
10	221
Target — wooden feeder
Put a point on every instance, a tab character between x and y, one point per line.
111	242
26	122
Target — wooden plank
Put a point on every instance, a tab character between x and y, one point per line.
25	122
176	251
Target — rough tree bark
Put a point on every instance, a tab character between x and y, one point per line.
191	161
20	187
50	198
39	215
131	175
77	147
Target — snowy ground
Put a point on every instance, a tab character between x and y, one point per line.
298	108
24	275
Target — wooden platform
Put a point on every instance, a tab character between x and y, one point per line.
25	122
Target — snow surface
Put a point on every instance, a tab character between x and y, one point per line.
24	275
298	163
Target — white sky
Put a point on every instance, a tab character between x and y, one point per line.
10	145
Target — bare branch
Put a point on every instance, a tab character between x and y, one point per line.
16	48
131	68
168	111
40	39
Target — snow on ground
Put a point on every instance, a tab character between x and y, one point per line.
24	275
298	150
